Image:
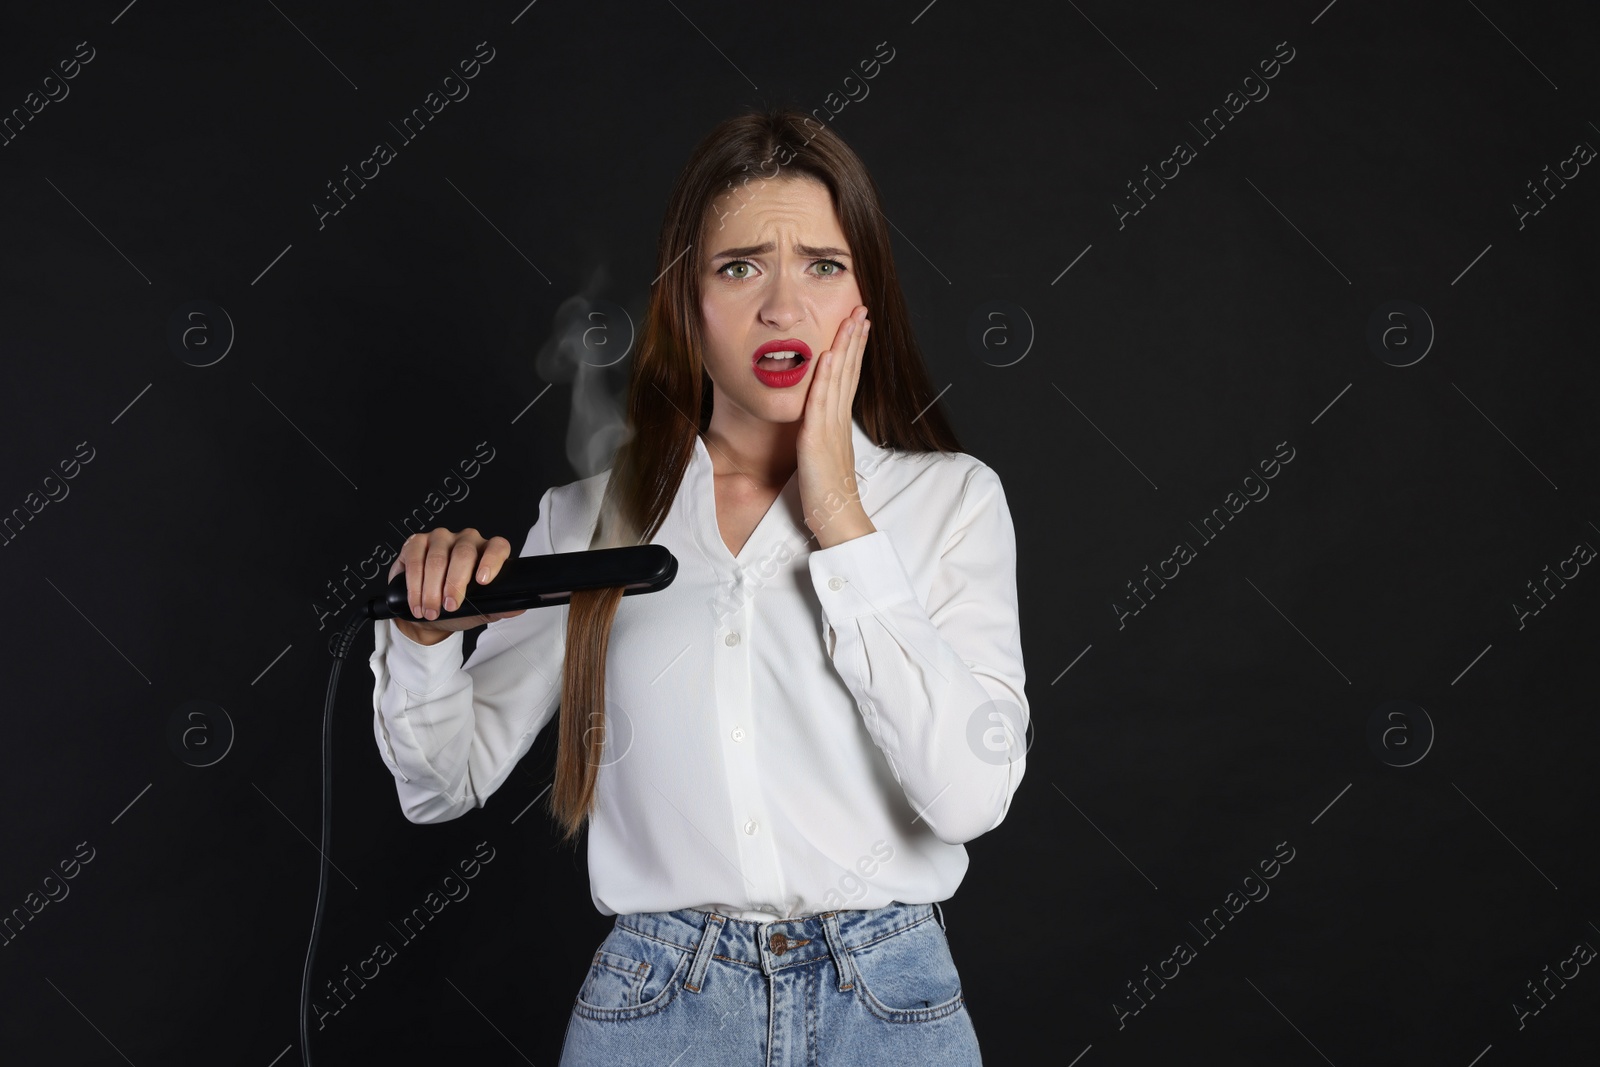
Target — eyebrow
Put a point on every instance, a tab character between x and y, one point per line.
756	250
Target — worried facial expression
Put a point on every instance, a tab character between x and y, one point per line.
776	268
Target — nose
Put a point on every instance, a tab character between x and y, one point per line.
780	305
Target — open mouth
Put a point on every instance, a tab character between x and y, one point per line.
781	363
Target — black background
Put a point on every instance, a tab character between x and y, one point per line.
371	355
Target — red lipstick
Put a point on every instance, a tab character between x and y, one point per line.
783	374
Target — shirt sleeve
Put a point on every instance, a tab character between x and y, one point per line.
451	733
939	686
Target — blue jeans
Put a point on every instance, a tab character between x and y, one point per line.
694	988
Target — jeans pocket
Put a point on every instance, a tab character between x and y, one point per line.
908	976
631	976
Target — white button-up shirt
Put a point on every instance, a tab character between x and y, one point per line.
789	730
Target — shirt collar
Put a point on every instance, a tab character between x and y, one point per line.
699	479
867	452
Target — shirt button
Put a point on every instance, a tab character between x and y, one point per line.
750	826
836	584
731	639
737	733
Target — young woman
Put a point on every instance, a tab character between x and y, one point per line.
779	756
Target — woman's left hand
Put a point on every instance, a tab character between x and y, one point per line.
827	460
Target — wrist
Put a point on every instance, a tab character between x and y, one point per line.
840	530
419	634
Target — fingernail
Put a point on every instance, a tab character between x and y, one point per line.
449	603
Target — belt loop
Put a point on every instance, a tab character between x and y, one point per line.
939	912
841	955
702	953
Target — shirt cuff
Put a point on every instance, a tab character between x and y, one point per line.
861	576
420	669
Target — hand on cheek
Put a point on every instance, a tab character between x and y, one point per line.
825	445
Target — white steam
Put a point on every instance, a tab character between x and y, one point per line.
590	341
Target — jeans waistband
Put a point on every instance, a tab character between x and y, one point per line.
772	946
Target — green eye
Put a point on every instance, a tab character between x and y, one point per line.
726	267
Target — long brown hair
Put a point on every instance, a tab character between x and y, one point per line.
670	397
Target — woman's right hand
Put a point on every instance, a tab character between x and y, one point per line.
438	565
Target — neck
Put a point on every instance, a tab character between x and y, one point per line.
764	452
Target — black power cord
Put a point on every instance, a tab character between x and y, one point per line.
538	581
339	646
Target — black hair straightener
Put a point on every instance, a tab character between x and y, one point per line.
545	581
